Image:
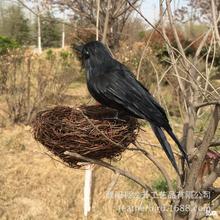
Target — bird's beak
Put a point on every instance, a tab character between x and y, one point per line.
78	48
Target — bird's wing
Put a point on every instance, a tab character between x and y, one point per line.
119	87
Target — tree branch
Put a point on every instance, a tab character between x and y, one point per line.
214	20
213	206
210	179
122	173
199	158
206	104
158	165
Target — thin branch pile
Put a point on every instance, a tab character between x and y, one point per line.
89	131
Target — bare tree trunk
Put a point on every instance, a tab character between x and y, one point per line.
63	35
215	21
97	19
1	14
63	31
39	29
104	37
39	34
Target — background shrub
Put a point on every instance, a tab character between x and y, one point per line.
33	82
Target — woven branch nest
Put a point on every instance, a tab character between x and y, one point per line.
89	131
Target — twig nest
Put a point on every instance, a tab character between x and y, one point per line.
90	131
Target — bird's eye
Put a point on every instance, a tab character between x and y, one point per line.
86	54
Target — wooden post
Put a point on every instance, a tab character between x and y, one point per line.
87	189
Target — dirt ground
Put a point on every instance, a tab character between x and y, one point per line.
34	186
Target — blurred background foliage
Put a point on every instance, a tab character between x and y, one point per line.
30	82
48	74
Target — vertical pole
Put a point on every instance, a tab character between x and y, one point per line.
87	189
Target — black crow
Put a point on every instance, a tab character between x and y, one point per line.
112	84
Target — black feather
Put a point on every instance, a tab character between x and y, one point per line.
173	136
166	146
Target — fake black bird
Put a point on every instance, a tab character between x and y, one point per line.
112	84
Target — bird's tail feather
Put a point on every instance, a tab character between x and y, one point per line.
173	136
166	146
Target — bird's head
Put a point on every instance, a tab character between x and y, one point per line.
94	54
